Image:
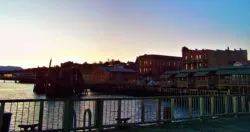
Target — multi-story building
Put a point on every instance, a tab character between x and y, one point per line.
235	79
155	65
205	58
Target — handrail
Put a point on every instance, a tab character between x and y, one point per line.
112	98
66	112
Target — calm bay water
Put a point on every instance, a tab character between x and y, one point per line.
11	90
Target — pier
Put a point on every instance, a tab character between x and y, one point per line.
104	114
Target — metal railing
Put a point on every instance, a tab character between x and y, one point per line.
70	114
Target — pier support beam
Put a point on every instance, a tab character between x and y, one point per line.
243	104
98	115
142	111
190	107
119	111
158	106
226	104
68	115
40	123
212	105
1	114
235	105
201	107
172	109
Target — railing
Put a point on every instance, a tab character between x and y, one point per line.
201	83
230	82
69	114
182	83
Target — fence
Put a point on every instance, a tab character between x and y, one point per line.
105	113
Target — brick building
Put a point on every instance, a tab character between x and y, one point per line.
206	58
155	65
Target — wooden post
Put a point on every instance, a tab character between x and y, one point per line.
190	107
68	118
1	114
201	107
212	105
119	111
219	82
243	104
172	109
235	105
142	111
40	126
98	115
158	116
249	107
226	104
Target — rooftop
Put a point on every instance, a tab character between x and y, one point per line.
119	69
159	56
187	49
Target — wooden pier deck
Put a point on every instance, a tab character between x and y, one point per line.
233	124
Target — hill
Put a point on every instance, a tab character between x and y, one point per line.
9	68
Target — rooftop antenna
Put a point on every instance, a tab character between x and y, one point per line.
50	62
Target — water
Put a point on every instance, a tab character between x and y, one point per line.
11	90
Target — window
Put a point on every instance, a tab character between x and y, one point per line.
192	67
186	57
150	62
197	57
186	66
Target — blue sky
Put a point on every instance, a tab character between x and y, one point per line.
33	31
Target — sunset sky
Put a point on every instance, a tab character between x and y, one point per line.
33	31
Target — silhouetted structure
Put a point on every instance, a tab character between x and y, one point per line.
59	81
114	74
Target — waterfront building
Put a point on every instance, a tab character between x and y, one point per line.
116	74
206	58
234	79
154	65
86	70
